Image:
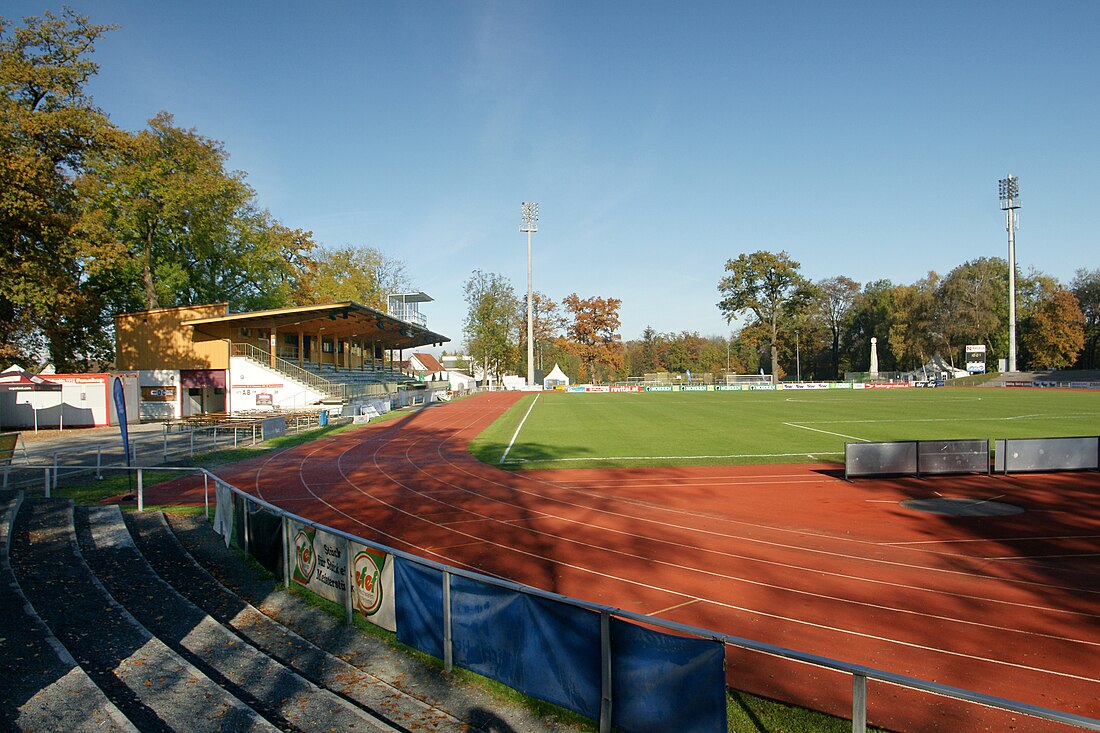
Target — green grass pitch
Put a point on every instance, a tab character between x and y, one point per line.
564	430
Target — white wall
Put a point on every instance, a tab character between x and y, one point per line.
249	381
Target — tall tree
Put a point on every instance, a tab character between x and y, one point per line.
768	285
834	302
913	331
492	322
48	126
547	324
869	317
192	229
1086	286
362	274
1053	334
593	335
974	297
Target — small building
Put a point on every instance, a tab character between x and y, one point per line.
59	401
425	368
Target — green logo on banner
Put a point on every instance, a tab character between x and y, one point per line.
367	568
305	559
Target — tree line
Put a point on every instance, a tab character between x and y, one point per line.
791	326
96	220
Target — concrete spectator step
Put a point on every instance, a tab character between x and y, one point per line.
41	686
282	696
150	684
174	564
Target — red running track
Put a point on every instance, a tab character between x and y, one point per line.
789	555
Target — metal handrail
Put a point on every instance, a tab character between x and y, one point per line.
308	378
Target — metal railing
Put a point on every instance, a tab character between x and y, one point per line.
306	377
859	674
177	441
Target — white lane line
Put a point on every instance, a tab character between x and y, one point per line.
511	442
673	608
826	432
667	458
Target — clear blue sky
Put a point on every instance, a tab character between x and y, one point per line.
659	139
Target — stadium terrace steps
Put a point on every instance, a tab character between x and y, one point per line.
118	624
126	651
41	685
153	687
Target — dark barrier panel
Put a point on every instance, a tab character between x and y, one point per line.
418	598
273	427
265	538
916	457
872	459
953	456
1048	454
666	683
240	507
552	651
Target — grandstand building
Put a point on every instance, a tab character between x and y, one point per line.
193	360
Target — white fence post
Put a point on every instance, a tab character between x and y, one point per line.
141	491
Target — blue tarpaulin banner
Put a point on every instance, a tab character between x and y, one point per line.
553	652
418	597
119	393
662	682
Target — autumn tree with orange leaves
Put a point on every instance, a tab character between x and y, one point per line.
593	335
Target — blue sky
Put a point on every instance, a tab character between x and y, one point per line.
659	139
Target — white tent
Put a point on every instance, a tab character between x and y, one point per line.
556	378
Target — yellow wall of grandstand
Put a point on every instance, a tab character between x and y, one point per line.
156	339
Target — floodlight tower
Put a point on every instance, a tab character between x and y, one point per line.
1010	201
530	224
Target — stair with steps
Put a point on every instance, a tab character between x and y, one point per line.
110	623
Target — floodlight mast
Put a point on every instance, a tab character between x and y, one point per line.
1009	190
530	224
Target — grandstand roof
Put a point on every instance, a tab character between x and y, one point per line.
344	320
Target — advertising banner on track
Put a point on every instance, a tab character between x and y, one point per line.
372	586
320	564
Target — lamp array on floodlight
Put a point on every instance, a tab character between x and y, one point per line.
530	217
1009	190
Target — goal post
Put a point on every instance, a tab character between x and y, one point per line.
731	378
